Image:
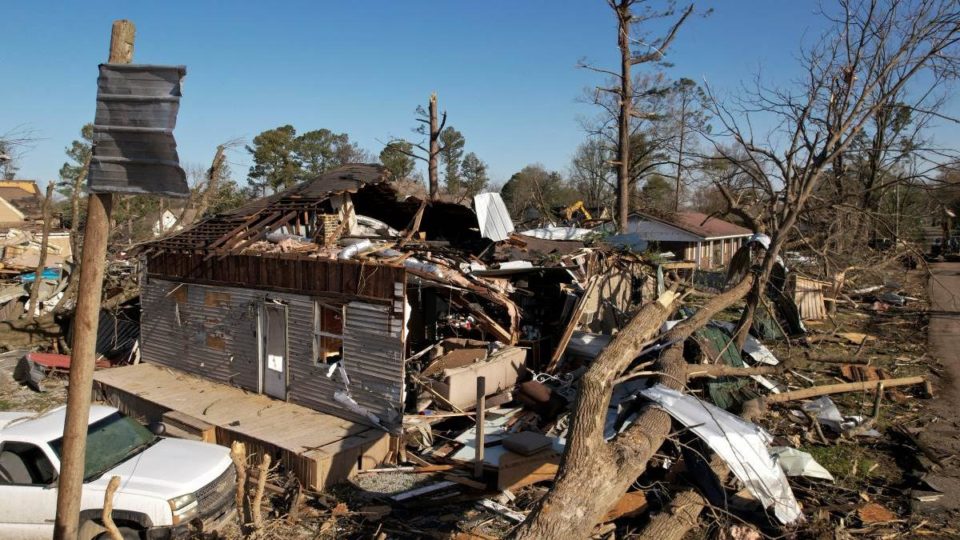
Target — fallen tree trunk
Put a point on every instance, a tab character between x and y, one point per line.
683	512
604	470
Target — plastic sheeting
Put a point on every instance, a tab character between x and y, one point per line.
798	463
742	445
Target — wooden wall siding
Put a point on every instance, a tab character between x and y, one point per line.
293	274
212	332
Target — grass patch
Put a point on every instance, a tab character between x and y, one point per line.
845	462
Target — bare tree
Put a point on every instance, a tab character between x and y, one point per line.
204	192
431	125
687	118
654	50
875	51
13	144
591	172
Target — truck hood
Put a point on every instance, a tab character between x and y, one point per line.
169	468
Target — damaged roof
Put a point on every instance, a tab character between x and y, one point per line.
373	194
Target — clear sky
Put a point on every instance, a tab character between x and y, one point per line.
505	70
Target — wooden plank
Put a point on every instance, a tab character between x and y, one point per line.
574	323
516	471
194	426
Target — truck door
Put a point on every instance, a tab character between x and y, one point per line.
28	489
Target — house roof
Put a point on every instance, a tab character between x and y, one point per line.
24	195
30	186
700	224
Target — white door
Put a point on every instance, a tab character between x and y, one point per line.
273	362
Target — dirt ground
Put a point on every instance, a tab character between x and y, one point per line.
943	431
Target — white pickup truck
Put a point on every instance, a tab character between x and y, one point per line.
167	486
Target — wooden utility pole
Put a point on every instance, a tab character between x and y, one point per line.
92	262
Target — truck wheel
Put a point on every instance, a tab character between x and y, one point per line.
126	532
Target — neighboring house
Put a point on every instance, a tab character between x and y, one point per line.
167	220
20	202
693	236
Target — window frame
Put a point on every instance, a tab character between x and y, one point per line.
318	332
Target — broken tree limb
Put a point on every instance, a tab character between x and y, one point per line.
604	469
107	515
840	388
571	326
238	453
756	407
590	464
682	514
33	309
695	371
258	494
677	519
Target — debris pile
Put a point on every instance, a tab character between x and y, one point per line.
20	250
478	368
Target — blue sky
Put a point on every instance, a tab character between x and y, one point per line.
504	70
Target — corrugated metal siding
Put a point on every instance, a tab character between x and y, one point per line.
133	146
808	295
308	382
217	338
373	359
213	336
495	222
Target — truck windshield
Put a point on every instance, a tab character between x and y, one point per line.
110	442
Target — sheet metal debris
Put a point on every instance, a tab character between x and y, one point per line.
492	215
742	445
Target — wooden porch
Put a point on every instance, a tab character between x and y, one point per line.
319	448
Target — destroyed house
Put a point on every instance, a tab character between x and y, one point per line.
325	294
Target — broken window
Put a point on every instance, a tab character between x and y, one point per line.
327	333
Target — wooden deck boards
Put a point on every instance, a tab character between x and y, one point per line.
321	448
